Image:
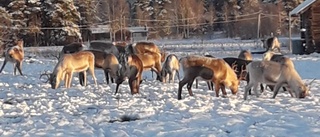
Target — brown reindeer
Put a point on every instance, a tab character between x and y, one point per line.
131	68
105	61
70	63
169	68
142	47
151	60
278	74
222	74
15	55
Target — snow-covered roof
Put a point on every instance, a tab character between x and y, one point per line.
137	29
304	5
100	29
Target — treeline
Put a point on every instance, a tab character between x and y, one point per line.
57	22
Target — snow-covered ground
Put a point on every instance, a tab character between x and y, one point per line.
29	107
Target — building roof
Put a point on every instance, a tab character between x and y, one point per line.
137	29
302	7
100	29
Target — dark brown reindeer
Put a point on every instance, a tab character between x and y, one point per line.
221	74
107	47
14	55
131	67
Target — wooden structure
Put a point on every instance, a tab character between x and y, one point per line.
100	32
132	34
309	13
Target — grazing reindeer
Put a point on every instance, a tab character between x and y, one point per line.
222	74
272	44
142	47
151	60
105	61
277	74
131	68
169	68
70	63
15	55
245	55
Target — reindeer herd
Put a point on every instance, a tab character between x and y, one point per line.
121	61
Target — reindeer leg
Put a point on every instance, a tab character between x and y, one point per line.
178	74
217	89
197	82
181	84
117	88
4	64
223	89
276	89
14	68
81	78
106	74
19	66
209	85
70	78
247	89
189	86
91	71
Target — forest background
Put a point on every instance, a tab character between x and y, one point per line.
58	22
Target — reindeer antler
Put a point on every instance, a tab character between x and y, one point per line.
234	67
311	82
46	73
241	73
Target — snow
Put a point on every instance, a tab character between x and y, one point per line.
29	107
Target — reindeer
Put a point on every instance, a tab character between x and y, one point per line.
15	55
105	61
71	48
142	47
131	68
272	44
151	60
222	74
104	46
70	63
277	74
245	55
169	68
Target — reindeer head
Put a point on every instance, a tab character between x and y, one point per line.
124	68
51	78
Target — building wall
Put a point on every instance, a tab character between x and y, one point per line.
315	24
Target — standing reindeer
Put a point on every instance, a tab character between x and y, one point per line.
215	70
169	68
278	74
131	68
14	55
105	61
68	64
